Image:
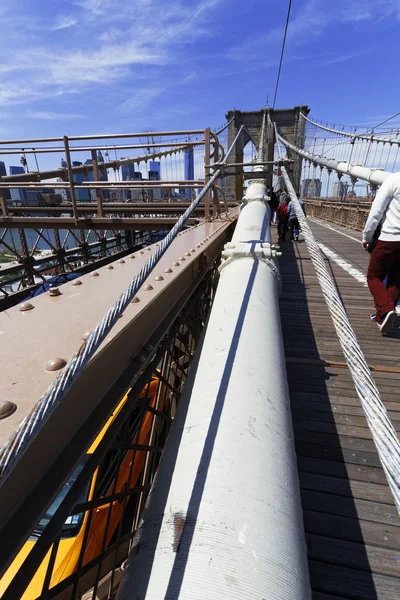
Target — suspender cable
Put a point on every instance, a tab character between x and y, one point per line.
282	52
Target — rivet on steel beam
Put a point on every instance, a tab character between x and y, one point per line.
26	306
85	335
158	278
147	347
147	287
121	262
193	250
181	258
141	252
135	299
187	254
54	292
55	364
168	270
176	264
140	358
77	282
132	256
95	274
109	267
149	249
198	246
7	408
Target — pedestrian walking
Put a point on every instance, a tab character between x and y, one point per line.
385	251
282	215
274	203
294	225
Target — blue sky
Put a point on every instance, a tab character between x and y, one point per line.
89	66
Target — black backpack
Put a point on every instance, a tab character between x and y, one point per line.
375	238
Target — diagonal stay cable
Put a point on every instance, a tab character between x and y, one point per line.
383	432
17	444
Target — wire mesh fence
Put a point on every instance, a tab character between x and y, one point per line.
103	498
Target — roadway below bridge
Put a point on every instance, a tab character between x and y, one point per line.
352	525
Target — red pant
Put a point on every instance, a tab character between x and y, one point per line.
385	261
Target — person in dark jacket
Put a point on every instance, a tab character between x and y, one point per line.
294	225
282	215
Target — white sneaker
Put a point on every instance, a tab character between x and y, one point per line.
398	310
387	322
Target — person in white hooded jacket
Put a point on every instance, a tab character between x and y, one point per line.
385	257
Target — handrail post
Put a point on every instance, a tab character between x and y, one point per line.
70	178
207	154
99	193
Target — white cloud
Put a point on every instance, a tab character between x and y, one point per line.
65	22
52	116
110	41
347	56
312	20
141	99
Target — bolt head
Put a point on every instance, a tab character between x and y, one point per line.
109	267
55	364
95	274
121	262
54	292
168	270
7	408
77	282
147	287
158	278
181	258
135	300
25	306
176	264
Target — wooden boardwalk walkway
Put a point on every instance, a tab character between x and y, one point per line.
352	526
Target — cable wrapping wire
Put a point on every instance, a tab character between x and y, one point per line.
383	432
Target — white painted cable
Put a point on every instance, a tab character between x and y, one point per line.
383	432
361	136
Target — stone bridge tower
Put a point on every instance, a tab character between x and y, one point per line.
289	124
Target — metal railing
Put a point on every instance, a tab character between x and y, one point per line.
97	512
347	214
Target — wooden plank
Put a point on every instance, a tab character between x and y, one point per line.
341	364
354	555
352	525
325	406
353	584
332	428
341	455
352	530
344	487
332	468
321	596
349	507
333	441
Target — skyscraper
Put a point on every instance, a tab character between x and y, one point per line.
311	188
3	173
154	171
127	171
17	195
79	178
189	168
